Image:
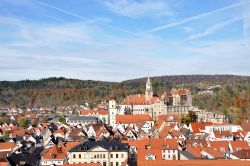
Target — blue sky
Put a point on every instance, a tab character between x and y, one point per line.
115	40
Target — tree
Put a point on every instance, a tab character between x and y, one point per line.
5	120
6	135
185	119
62	119
192	116
22	122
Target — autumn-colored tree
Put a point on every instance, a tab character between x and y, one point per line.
22	122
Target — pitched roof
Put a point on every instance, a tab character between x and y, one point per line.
91	112
164	132
108	145
180	91
7	145
84	118
132	119
138	100
17	132
222	134
191	162
58	152
239	145
152	147
222	146
246	125
198	127
242	154
171	118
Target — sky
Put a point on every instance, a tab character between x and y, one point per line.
115	40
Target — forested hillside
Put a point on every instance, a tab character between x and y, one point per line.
232	98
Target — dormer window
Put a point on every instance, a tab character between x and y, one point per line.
147	146
150	157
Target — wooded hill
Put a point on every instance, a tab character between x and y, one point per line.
50	92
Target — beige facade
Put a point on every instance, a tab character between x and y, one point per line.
98	155
158	108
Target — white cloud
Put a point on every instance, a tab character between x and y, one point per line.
214	28
88	20
133	8
83	51
199	16
189	29
246	23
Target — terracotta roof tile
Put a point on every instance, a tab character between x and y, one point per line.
138	100
7	145
236	145
132	119
197	127
91	112
192	162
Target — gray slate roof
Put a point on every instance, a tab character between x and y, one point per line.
108	145
83	118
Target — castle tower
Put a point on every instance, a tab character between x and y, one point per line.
149	90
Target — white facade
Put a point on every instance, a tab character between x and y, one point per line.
52	162
170	154
98	155
112	112
225	127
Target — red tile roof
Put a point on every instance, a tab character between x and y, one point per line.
58	152
197	127
192	162
236	145
91	112
138	100
242	154
167	117
132	119
7	145
155	147
221	146
180	91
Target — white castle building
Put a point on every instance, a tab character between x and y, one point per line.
178	101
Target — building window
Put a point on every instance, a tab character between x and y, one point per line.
122	155
174	157
117	156
111	155
104	156
80	156
74	156
104	164
117	164
111	164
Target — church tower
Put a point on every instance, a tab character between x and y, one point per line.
149	90
112	112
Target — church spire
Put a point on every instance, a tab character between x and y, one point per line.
149	90
148	85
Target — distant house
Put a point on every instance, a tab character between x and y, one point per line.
82	120
243	154
101	114
56	155
128	120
